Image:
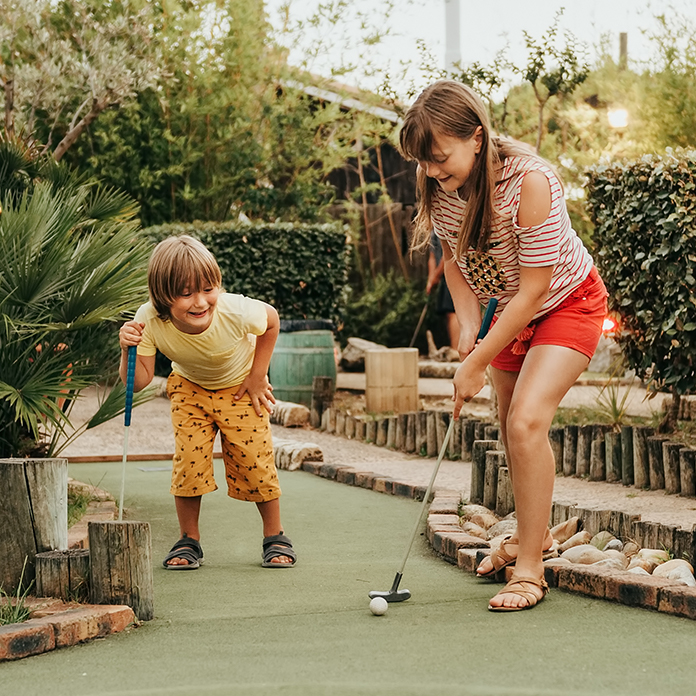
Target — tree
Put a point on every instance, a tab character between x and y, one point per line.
71	264
64	63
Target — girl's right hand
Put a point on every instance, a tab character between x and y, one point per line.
130	334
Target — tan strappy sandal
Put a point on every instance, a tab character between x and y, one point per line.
501	558
531	589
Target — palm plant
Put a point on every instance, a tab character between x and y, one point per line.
72	265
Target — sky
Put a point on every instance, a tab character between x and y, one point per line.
485	28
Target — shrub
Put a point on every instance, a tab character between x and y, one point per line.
300	269
645	239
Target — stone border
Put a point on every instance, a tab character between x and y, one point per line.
466	551
57	624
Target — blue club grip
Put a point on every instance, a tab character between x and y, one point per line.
130	379
487	318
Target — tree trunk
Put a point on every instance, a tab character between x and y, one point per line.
33	515
121	566
9	106
74	133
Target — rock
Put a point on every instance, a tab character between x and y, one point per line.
468	511
609	564
584	553
501	528
637	570
614	545
563	531
617	555
474	530
486	521
648	559
291	455
444	354
353	355
643	564
578	539
601	539
631	548
677	569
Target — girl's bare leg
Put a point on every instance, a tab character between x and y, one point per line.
527	406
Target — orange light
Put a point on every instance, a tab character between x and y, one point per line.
609	325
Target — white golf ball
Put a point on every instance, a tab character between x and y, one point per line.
379	606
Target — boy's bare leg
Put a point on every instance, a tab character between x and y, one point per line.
270	515
188	511
531	409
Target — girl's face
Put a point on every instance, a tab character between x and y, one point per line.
192	312
452	159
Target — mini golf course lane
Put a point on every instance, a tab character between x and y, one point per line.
233	627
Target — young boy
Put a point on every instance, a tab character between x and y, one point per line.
220	346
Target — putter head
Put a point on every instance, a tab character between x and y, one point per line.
391	595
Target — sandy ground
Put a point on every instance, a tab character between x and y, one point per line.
150	433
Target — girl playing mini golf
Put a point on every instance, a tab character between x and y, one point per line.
220	346
499	210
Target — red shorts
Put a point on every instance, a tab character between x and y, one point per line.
576	323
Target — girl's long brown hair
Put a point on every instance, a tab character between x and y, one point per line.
451	108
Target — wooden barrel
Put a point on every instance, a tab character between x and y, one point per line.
391	380
298	358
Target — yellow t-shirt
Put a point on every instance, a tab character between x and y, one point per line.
219	357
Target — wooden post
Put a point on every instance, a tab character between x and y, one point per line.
612	456
478	468
442	419
584	450
121	566
63	574
422	433
556	439
641	462
597	461
431	434
670	458
322	396
468	438
401	427
410	445
505	503
627	476
33	515
657	467
381	434
391	380
570	449
687	471
494	460
391	432
455	446
371	431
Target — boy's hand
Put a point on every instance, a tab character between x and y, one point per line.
130	334
260	392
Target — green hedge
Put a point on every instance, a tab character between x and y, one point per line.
300	269
645	247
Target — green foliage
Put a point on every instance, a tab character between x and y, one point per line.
644	213
300	269
12	607
386	312
71	265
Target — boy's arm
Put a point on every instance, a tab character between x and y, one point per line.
130	334
256	383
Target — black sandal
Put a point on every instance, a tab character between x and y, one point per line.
189	550
276	546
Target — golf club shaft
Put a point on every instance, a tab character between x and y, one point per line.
130	379
426	498
485	325
420	323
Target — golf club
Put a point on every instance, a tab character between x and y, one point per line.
420	323
395	594
130	378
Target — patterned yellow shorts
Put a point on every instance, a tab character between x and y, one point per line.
247	447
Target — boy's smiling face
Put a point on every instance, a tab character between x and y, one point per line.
192	312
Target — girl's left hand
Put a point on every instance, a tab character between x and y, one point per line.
260	392
468	381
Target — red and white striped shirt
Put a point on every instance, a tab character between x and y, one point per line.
496	272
